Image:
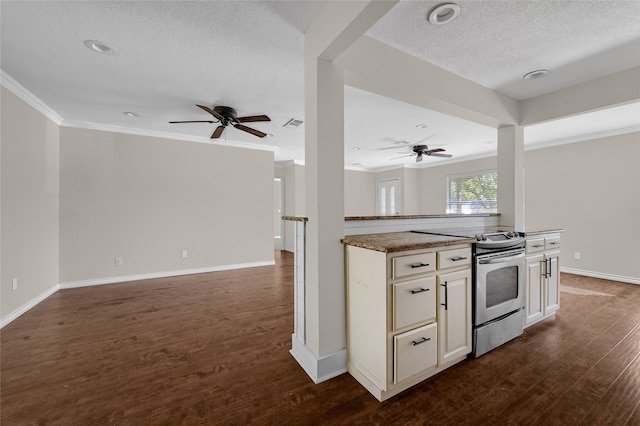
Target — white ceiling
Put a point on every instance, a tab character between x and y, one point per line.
249	55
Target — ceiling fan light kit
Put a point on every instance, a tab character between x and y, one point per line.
228	116
420	150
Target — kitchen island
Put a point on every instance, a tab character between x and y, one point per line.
409	301
408	307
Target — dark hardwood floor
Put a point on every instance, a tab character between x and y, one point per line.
214	349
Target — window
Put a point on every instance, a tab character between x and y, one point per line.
473	192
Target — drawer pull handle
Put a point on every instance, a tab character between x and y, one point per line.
538	245
422	290
457	258
421	341
553	243
419	265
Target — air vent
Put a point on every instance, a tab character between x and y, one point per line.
293	123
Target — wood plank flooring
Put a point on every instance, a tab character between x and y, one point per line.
213	349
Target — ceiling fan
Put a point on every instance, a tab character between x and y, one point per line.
420	150
226	115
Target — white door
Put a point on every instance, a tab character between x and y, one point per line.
388	197
278	228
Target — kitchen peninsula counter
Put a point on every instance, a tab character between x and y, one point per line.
402	241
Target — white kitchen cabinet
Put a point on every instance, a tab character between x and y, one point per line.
543	277
454	319
399	331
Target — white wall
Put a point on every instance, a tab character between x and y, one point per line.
592	190
146	199
359	193
29	212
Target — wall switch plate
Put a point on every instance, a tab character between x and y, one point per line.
14	284
576	255
119	261
183	253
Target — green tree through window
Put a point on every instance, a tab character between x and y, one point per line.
473	192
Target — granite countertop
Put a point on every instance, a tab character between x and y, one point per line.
296	218
419	216
528	232
402	241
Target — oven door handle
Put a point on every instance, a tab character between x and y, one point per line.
500	259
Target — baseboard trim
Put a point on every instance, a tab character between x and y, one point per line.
319	369
30	304
165	274
113	280
611	277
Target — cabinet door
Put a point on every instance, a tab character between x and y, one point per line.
534	293
552	299
454	320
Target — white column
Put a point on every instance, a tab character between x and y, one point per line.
339	24
511	176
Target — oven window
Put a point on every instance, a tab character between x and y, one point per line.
502	285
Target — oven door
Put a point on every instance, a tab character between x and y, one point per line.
500	281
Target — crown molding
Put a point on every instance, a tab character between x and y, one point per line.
23	93
163	135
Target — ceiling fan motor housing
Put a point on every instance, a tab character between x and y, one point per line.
228	113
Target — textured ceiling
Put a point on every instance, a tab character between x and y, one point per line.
249	55
495	43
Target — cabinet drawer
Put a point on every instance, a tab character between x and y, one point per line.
413	264
414	302
551	243
535	245
451	258
415	351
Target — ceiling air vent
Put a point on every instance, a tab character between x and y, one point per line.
293	123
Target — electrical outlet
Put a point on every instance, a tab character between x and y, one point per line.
183	253
14	284
119	261
576	255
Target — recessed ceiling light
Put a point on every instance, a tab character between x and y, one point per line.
130	114
100	47
443	14
422	125
356	148
536	74
358	164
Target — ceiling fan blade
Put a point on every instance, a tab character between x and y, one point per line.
402	156
387	148
252	118
435	150
212	112
193	121
441	155
255	132
217	132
